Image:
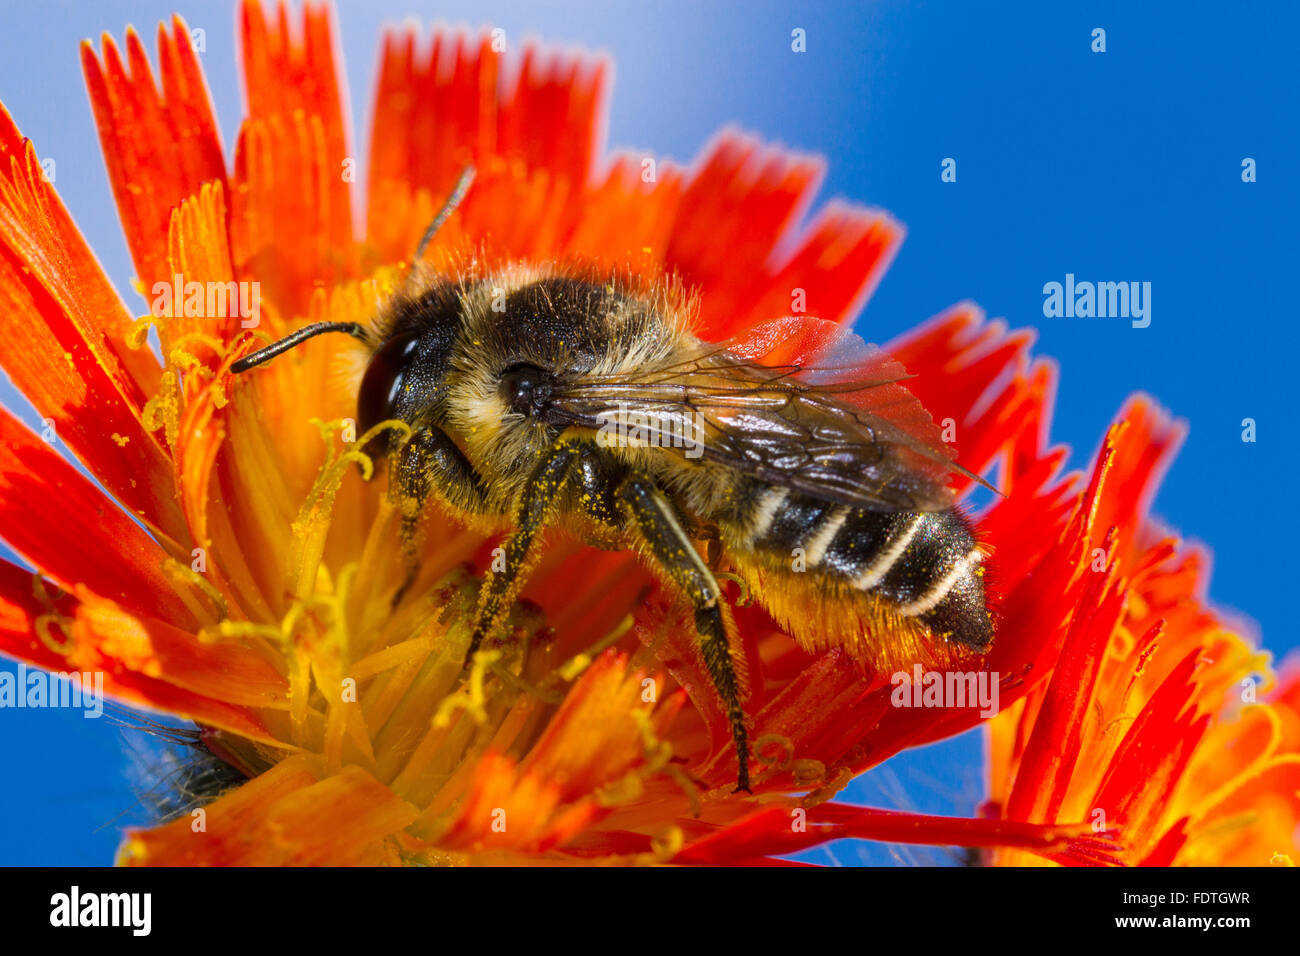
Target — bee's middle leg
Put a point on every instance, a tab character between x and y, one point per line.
535	508
668	542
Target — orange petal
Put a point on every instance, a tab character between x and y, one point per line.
782	829
1148	765
65	526
569	754
741	203
291	215
276	820
1054	746
437	112
198	250
64	329
30	626
160	146
37	227
625	220
223	669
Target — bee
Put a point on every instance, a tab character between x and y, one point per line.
539	396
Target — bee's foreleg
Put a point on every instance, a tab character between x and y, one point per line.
537	504
668	542
430	461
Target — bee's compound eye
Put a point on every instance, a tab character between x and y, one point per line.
383	381
526	388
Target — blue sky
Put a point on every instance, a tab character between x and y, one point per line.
1116	166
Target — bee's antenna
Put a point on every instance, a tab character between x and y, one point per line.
354	329
453	200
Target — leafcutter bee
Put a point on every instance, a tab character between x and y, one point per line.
538	395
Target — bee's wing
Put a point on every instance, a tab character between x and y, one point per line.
797	403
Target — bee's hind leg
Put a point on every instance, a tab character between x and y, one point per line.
429	461
668	542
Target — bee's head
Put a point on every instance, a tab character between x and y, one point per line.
406	376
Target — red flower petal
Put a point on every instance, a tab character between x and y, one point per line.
439	111
741	203
64	330
159	146
782	829
65	526
291	205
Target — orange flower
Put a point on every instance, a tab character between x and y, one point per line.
238	568
1150	722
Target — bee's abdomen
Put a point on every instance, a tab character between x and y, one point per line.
923	565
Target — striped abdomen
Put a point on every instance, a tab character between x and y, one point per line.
923	566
